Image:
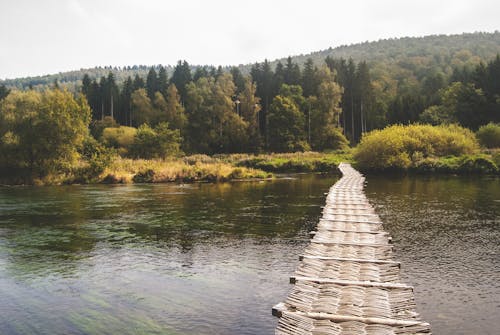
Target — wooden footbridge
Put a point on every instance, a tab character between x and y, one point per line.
347	282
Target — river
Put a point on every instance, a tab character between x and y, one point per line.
214	258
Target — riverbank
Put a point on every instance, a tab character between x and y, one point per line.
217	168
222	168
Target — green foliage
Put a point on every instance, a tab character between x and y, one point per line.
296	162
160	142
4	91
489	135
120	138
286	123
330	138
97	126
213	122
96	158
143	110
400	147
199	168
40	132
464	164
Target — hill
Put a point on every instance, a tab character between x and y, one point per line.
392	62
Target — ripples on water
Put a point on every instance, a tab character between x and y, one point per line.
446	232
213	259
152	259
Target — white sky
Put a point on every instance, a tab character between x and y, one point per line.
48	36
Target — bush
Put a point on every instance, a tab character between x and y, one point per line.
120	138
160	142
332	139
489	135
96	158
403	147
97	126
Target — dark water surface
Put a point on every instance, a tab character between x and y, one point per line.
213	259
446	232
152	259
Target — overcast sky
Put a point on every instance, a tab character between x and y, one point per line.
48	36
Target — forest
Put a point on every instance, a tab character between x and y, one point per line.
288	105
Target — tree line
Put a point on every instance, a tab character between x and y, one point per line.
217	111
286	107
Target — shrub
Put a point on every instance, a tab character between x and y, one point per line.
120	138
95	160
402	147
489	135
160	142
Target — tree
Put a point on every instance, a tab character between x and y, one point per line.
111	95
286	126
310	80
86	83
326	132
158	142
181	77
162	81
201	130
40	132
213	124
138	83
292	72
126	102
176	116
233	129
142	108
238	79
152	85
249	110
263	76
4	91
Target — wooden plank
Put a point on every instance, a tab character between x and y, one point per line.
343	259
332	212
348	318
351	221
295	279
326	229
359	244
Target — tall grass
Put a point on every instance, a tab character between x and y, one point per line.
122	170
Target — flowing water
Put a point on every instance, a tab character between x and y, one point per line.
214	258
446	232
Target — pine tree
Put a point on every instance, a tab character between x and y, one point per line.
238	79
310	78
181	77
152	85
126	102
138	82
162	81
292	72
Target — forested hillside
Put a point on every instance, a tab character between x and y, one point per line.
389	59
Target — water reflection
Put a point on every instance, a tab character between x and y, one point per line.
446	232
155	259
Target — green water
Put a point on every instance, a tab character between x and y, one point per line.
152	259
214	258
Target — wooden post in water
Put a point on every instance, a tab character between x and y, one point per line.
347	281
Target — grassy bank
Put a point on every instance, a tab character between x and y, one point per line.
218	167
122	170
296	162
